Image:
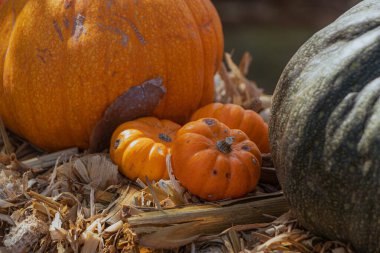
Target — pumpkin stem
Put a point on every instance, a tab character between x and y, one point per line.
164	137
224	146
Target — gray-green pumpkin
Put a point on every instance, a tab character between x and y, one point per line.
325	129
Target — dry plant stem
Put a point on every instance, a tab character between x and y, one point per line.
231	89
173	180
48	160
126	196
153	193
252	91
245	62
9	149
180	226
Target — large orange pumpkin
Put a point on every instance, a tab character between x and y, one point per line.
215	162
140	147
63	62
235	117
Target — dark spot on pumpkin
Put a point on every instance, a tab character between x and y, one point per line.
209	122
225	131
117	31
78	28
138	101
164	137
207	25
228	175
43	54
246	148
214	172
57	28
67	4
117	144
188	141
138	34
66	22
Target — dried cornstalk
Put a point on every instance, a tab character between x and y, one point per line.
49	160
180	226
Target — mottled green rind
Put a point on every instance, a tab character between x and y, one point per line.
325	129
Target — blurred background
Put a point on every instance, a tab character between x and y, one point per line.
273	30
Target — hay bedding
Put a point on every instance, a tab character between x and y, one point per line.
71	201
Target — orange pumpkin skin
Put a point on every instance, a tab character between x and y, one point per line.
62	62
235	117
140	148
210	167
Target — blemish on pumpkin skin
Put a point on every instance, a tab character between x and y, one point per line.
78	28
124	36
43	54
66	22
207	25
58	30
138	101
246	148
139	36
67	3
214	172
209	122
117	144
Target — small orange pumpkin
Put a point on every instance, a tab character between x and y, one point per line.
215	162
235	117
140	147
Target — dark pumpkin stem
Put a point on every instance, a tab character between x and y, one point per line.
224	146
165	137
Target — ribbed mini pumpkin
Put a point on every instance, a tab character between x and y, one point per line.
325	130
63	62
235	117
140	148
215	162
